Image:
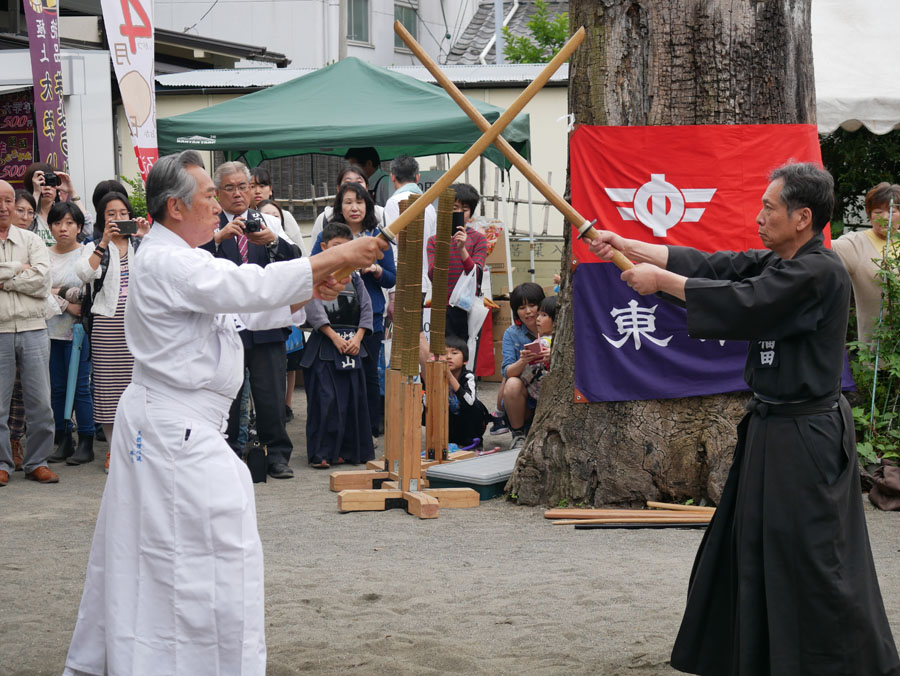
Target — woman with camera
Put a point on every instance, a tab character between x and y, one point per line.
261	191
104	266
45	184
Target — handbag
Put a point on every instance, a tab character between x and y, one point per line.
294	342
255	455
463	295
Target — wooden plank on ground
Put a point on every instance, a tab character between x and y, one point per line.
455	498
625	519
681	508
365	501
421	505
561	513
356	479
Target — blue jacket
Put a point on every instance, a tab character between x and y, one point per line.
373	286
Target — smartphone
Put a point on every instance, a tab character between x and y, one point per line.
127	227
459	221
535	347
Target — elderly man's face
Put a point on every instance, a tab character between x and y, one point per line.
7	204
234	195
202	218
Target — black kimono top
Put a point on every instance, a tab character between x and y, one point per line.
794	313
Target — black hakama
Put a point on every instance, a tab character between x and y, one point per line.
337	408
337	422
783	583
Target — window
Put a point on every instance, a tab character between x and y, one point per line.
358	20
407	16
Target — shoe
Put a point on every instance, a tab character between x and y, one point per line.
4	477
318	463
84	453
106	464
280	470
42	475
518	440
65	447
17	453
99	434
499	426
288	413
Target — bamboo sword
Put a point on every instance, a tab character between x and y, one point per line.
491	133
585	227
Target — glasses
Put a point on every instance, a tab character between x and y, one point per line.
117	215
27	213
231	189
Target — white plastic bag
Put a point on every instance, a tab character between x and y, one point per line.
463	295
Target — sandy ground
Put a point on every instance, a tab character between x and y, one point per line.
492	590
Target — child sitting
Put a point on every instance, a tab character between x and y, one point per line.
338	429
535	372
524	301
468	416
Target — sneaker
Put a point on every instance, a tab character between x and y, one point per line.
499	426
518	440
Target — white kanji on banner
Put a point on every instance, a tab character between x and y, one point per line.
634	322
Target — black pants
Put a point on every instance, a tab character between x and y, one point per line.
268	374
372	343
457	323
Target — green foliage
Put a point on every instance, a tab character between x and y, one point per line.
858	160
563	503
878	431
138	197
548	34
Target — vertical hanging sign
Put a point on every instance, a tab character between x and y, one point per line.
16	136
129	31
42	18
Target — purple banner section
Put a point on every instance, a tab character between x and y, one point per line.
630	347
49	111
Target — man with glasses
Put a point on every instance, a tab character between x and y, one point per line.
264	351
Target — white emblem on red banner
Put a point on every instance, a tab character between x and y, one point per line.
660	205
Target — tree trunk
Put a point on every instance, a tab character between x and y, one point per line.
649	62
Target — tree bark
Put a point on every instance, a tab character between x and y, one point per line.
656	62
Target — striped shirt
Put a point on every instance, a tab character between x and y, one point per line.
476	245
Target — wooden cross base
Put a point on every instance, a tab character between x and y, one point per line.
423	504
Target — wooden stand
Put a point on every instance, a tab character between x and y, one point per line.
437	413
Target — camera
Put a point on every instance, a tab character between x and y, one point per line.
254	221
127	227
51	180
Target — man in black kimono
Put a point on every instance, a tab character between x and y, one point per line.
783	582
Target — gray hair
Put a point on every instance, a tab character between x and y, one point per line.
169	178
229	168
807	186
404	168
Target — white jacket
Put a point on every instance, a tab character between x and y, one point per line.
105	302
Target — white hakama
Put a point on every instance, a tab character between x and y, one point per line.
175	576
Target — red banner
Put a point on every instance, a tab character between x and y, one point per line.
696	186
16	136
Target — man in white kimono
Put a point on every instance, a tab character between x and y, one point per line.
175	576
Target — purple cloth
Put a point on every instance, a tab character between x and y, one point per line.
643	351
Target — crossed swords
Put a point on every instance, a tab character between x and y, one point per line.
491	134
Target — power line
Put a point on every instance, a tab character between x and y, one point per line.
216	2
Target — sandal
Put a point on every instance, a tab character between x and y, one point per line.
319	464
340	461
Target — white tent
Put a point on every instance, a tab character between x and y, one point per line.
856	53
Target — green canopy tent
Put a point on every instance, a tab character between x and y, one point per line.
348	104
